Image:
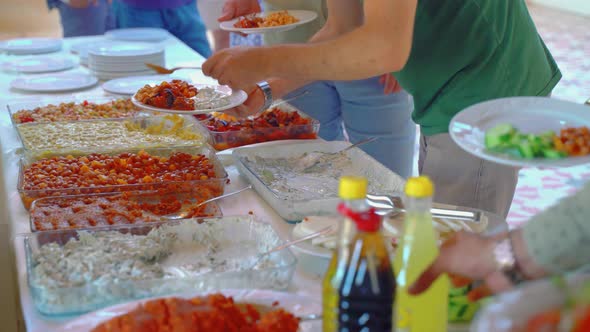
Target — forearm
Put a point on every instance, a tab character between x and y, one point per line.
344	16
559	239
385	41
280	87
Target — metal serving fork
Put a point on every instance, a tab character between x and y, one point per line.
393	205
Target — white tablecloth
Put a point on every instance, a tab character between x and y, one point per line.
18	219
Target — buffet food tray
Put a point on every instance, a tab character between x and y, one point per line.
222	140
31	104
46	139
194	256
293	208
207	188
116	209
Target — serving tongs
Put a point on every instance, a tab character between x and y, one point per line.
392	205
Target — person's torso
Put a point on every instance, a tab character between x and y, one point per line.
302	33
468	51
157	4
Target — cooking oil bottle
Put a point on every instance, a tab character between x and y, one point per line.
359	286
416	251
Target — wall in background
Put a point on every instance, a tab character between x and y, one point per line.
28	18
581	7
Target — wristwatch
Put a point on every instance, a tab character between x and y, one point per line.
267	92
506	261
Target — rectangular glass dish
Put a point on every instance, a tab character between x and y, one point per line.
298	194
54	109
43	140
116	209
222	140
72	272
201	189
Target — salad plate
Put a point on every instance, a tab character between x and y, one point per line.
510	312
531	115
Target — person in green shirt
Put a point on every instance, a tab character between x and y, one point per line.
448	54
356	109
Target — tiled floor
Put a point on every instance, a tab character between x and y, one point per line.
568	38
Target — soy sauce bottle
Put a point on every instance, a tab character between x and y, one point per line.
359	289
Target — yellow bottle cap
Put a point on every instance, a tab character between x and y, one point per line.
352	187
419	187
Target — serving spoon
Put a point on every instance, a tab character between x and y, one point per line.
185	214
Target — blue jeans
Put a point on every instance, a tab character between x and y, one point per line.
364	111
90	21
184	22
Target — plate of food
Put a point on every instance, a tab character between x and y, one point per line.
274	21
557	304
525	132
323	246
178	96
227	310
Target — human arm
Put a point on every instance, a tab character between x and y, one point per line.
385	38
81	3
553	241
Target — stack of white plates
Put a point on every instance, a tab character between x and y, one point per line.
27	46
115	60
138	34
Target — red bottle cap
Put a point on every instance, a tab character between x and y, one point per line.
367	221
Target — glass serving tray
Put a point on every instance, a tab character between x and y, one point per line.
299	195
73	112
222	140
43	140
117	209
197	257
208	188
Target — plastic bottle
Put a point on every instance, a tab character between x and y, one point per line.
359	287
416	251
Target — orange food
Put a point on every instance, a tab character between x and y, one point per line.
117	209
77	111
175	95
214	313
573	141
272	125
99	173
271	20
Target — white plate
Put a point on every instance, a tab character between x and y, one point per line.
130	85
30	46
138	34
54	83
296	304
39	64
304	16
121	51
236	98
529	115
493	224
514	308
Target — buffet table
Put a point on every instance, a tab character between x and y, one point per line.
17	220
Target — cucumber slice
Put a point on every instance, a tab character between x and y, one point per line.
458	291
552	154
498	135
526	150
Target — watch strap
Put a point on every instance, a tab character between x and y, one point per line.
267	92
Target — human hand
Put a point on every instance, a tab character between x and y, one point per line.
236	8
251	106
468	255
239	67
390	84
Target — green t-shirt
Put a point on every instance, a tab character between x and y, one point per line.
468	51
